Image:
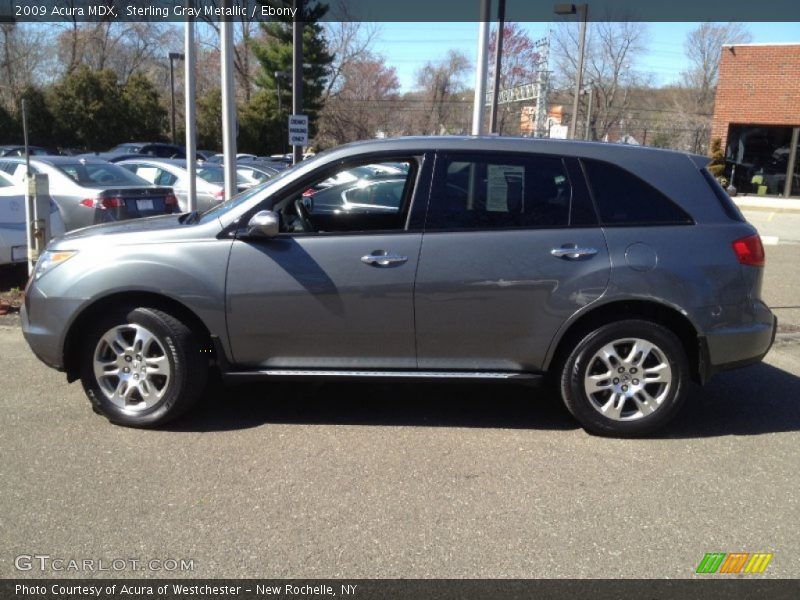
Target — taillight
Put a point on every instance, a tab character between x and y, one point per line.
220	196
170	200
102	203
749	250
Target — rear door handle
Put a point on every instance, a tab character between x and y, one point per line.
573	252
382	258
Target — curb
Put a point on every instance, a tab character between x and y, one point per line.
789	205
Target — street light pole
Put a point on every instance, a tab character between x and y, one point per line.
228	104
278	76
479	101
583	11
173	56
191	117
498	60
589	110
297	71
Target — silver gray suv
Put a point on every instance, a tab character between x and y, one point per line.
618	274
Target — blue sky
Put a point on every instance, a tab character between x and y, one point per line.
408	46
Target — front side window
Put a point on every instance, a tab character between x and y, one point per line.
360	197
624	199
506	192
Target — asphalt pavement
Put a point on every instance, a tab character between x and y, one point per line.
371	480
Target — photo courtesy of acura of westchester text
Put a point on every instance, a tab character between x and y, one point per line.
466	299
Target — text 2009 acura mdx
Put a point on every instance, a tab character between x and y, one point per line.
621	272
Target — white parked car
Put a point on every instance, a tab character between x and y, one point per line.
13	243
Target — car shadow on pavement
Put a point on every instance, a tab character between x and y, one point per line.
503	406
756	400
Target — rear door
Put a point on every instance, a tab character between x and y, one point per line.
511	250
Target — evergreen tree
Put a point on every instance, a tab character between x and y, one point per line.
265	124
717	165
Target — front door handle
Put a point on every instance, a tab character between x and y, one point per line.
382	258
572	252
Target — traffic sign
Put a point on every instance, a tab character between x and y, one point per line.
298	130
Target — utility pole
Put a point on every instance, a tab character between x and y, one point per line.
297	71
498	60
228	104
480	74
583	11
191	116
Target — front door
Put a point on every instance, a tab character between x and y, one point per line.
335	288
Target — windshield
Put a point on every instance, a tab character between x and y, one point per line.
100	174
126	149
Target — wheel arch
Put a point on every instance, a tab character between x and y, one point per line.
142	299
667	316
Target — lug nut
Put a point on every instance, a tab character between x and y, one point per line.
616	380
621	370
128	358
635	382
633	369
136	376
624	388
126	370
138	357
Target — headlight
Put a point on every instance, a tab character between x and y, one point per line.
51	259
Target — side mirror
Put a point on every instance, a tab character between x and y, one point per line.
264	224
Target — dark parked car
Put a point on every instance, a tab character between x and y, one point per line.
20	151
89	191
134	149
617	274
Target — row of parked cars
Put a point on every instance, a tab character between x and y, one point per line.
129	181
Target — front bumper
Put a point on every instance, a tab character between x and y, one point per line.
44	324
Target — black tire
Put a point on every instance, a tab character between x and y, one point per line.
580	360
187	376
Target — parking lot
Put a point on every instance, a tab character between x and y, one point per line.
414	481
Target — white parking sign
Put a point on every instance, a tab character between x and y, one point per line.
298	130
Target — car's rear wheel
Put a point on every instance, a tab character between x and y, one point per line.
626	378
142	367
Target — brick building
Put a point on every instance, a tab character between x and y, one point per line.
757	116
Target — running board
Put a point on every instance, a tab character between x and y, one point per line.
339	374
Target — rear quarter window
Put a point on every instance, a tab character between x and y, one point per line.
622	198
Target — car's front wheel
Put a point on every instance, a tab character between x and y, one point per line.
142	367
626	378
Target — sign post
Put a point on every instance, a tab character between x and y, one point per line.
298	130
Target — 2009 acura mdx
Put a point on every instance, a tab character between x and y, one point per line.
623	273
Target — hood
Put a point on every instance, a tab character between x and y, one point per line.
145	225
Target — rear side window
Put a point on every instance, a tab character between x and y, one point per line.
624	199
728	206
506	192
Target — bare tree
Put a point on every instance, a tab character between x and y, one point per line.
612	49
362	104
349	42
519	60
440	84
23	50
703	47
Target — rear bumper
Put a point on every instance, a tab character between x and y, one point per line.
731	348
